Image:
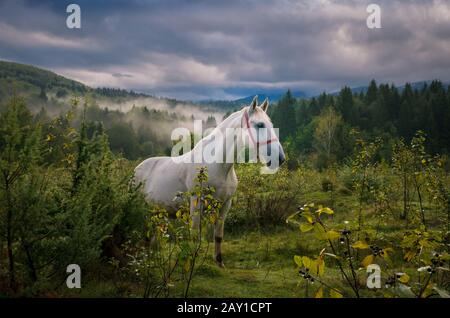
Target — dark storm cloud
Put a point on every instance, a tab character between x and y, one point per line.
202	49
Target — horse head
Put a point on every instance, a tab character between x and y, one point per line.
261	134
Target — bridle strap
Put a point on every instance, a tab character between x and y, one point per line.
257	143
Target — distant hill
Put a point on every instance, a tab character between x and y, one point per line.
34	76
28	79
43	88
237	103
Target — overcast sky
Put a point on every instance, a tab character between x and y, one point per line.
227	49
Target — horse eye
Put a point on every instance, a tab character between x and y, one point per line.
259	125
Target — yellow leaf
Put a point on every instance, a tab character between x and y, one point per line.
325	210
404	278
308	217
319	293
306	261
410	255
320	267
305	227
360	245
335	294
298	260
428	290
332	235
313	266
368	260
384	253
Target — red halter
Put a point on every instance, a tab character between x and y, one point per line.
266	142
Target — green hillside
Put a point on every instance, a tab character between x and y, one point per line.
41	87
138	125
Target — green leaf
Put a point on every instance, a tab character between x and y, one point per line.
319	232
187	265
291	217
305	227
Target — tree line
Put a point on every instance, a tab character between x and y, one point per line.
323	128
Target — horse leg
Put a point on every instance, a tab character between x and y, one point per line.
218	232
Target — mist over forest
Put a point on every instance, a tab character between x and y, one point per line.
373	159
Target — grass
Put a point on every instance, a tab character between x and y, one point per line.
259	263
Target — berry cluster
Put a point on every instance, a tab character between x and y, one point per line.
305	274
391	280
436	261
376	250
344	233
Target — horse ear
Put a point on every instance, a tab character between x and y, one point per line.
253	104
265	104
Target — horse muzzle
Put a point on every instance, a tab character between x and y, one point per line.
281	158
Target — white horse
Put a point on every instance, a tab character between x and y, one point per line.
163	178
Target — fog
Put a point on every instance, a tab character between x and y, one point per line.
182	109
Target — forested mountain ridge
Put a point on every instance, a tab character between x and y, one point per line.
414	85
326	127
43	87
138	125
141	129
22	73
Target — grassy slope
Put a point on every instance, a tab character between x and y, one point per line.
258	264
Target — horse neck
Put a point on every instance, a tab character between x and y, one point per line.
232	121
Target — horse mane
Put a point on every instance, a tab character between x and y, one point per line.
224	123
